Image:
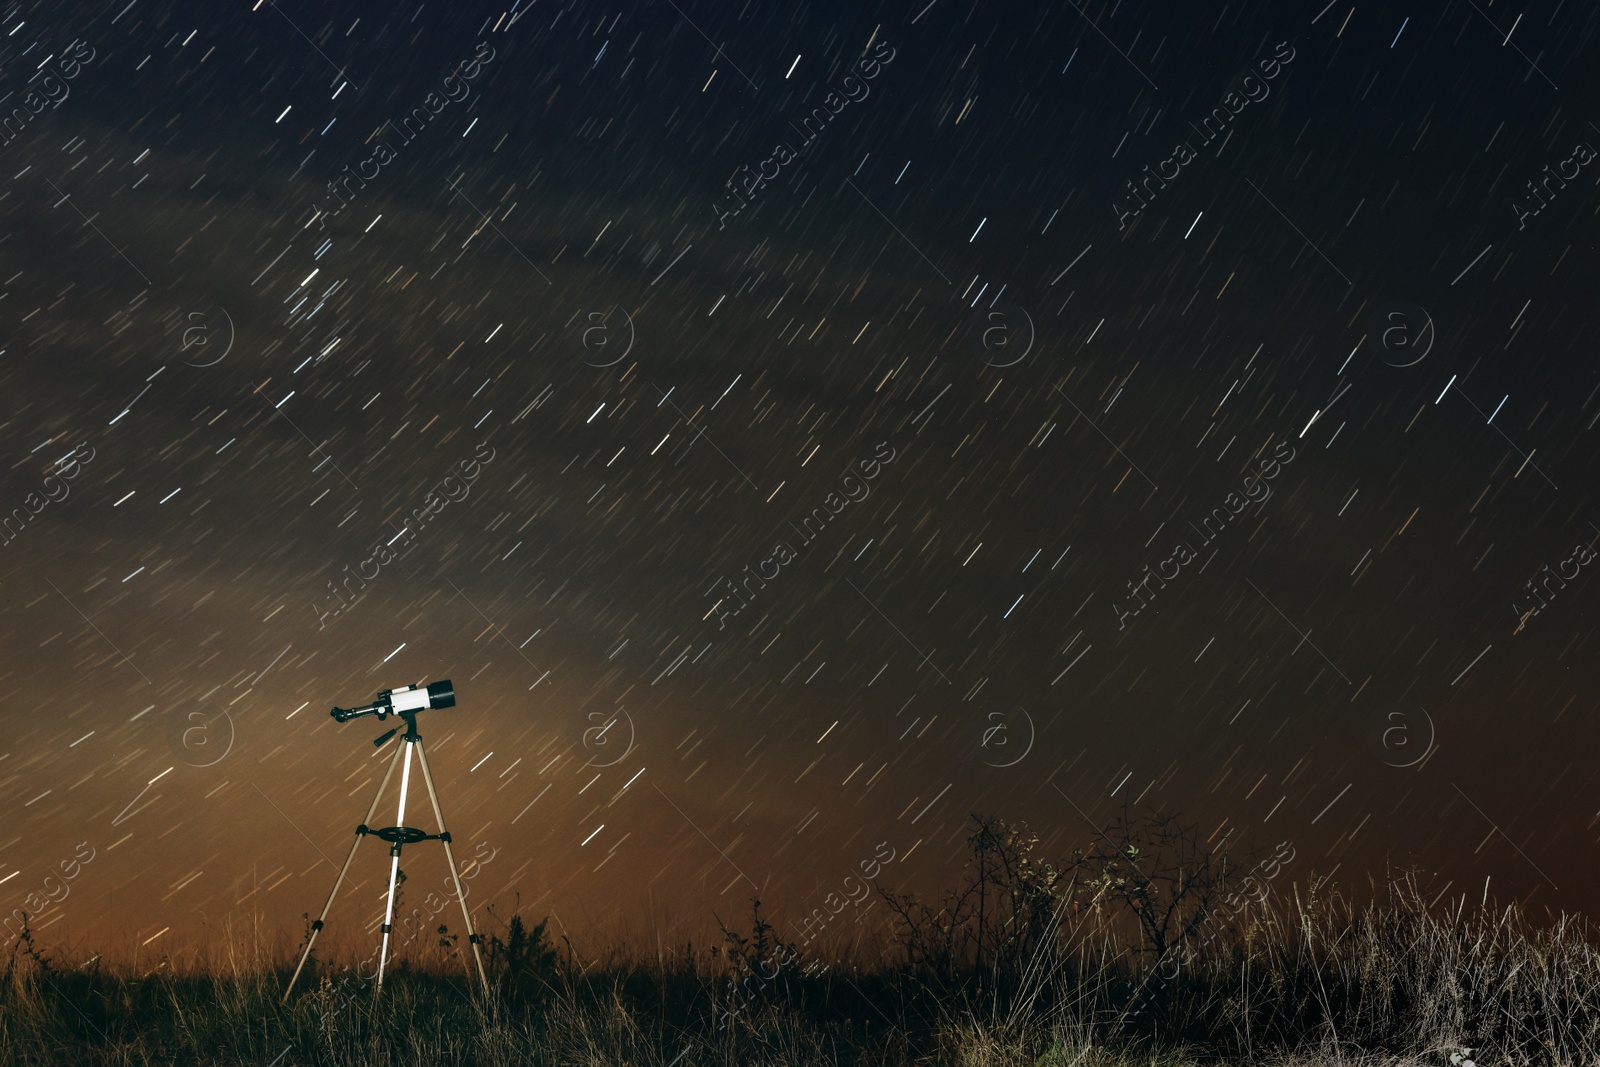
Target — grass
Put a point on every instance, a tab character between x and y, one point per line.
1297	981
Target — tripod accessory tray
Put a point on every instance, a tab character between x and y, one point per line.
403	835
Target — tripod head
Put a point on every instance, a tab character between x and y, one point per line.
405	702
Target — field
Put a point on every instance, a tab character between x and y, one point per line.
1293	980
1151	947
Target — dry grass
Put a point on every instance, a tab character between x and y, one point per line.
1301	983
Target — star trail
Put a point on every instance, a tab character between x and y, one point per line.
794	429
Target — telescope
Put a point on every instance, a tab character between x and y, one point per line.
411	698
406	702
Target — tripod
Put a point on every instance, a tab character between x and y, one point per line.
398	837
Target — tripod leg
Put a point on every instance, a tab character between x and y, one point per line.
449	854
316	927
394	867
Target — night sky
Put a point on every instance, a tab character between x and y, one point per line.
793	429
